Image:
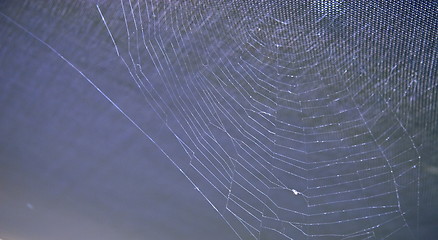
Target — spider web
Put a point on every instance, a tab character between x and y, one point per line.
290	131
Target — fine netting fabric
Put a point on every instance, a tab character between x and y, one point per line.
293	114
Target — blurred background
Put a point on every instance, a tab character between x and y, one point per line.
73	167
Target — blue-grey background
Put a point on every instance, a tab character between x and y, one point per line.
73	167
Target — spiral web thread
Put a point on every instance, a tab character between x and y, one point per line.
286	138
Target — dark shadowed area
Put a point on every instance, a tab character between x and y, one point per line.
218	120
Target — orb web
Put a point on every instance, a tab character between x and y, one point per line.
290	132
